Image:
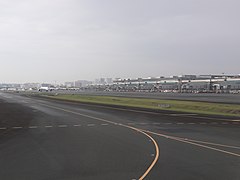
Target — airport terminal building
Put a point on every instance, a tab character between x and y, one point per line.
184	83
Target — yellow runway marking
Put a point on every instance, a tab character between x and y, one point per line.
156	149
130	127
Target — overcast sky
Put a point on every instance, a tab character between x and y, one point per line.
65	40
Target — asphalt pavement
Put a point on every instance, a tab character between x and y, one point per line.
50	139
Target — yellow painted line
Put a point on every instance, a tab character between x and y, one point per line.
156	150
130	127
192	143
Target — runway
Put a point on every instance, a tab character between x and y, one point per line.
50	139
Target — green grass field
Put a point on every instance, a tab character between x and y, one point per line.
173	105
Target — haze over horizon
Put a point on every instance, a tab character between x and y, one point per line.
48	41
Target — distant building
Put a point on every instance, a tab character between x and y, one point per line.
97	81
102	81
69	84
82	83
109	80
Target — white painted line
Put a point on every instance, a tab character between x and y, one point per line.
62	126
104	124
143	123
77	125
218	119
2	128
17	127
194	143
33	127
179	123
224	123
8	97
131	123
237	120
48	126
91	125
213	123
183	114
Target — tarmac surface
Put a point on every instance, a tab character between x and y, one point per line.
49	139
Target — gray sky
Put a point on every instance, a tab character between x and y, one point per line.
64	40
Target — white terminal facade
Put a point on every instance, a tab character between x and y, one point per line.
183	83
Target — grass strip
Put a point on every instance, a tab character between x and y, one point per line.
172	105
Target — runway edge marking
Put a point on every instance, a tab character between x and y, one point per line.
121	125
192	143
